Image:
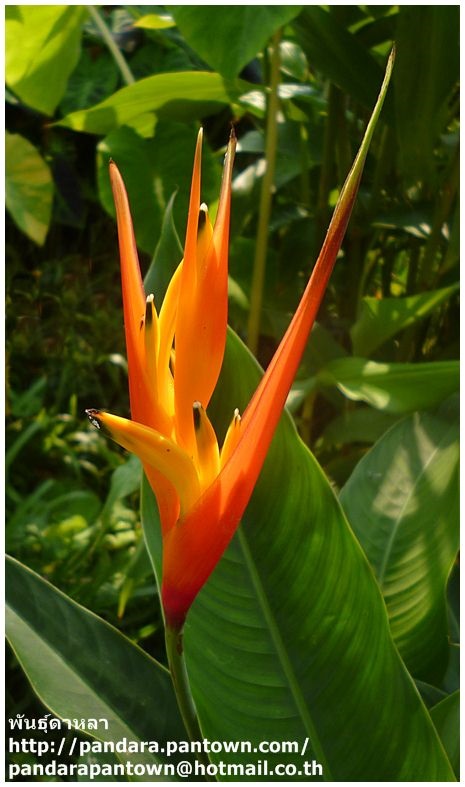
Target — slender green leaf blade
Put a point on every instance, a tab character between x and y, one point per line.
381	319
29	187
42	48
81	667
183	96
289	638
393	387
241	32
402	503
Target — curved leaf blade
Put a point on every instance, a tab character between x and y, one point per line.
446	718
241	32
81	667
29	187
392	387
289	637
43	44
402	502
184	95
381	319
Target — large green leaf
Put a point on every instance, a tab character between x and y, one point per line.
241	32
446	718
42	48
183	96
289	638
381	319
402	502
393	387
424	78
81	667
29	187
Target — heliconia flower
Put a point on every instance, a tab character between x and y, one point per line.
174	361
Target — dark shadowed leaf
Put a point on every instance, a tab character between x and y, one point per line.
446	718
81	667
381	319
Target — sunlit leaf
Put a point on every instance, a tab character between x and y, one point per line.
29	187
241	31
402	503
42	48
180	96
393	387
154	22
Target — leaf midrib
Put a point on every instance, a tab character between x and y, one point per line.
282	654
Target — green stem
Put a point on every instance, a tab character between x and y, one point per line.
126	73
177	667
327	167
258	277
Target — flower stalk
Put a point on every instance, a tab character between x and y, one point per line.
177	667
258	276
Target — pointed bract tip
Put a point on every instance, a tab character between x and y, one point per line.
203	213
148	309
93	416
196	410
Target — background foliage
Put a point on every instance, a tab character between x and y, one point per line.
375	395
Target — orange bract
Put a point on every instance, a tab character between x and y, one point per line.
174	361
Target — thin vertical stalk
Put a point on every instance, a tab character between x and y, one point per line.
177	667
125	71
258	277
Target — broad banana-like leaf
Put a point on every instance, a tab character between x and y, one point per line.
392	387
402	502
289	639
83	668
